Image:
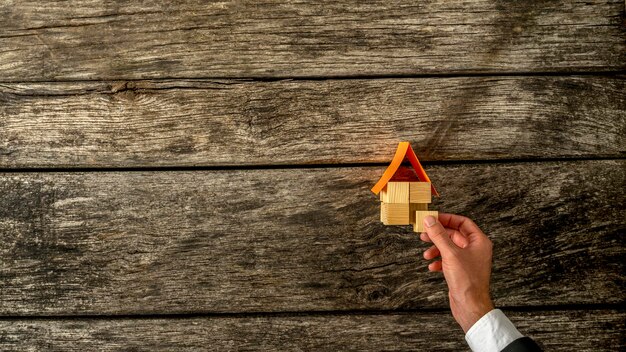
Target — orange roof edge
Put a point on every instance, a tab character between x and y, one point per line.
404	150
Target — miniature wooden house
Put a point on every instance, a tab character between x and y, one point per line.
404	193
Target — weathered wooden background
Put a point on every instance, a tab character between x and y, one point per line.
182	175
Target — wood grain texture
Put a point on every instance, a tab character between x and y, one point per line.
91	39
188	123
595	330
298	239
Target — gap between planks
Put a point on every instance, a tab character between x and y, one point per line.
364	312
252	79
175	168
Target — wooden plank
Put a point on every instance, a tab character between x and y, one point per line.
188	39
596	330
298	239
187	123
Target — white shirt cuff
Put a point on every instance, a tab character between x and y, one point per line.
492	333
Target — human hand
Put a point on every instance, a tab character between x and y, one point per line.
466	264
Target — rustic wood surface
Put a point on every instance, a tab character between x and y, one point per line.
298	239
208	230
92	39
594	330
185	123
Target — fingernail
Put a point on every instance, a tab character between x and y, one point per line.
430	221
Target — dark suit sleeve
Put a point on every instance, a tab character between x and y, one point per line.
523	344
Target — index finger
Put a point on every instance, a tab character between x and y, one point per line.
461	223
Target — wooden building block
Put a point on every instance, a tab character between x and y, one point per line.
396	192
413	207
419	192
418	226
395	213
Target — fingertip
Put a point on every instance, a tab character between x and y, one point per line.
465	243
424	237
435	266
429	221
462	241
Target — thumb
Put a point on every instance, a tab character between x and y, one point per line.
438	235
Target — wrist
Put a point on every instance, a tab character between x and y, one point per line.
468	312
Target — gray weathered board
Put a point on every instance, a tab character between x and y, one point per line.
298	239
594	330
249	248
175	123
93	39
